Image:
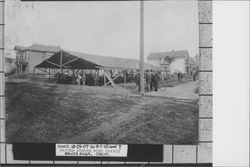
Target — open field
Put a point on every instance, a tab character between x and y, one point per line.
48	112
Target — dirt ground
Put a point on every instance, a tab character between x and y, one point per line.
181	91
48	112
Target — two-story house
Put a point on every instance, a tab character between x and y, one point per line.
172	61
28	57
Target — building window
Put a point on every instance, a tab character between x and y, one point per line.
21	55
18	55
27	55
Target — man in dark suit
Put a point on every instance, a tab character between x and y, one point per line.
151	80
137	79
156	79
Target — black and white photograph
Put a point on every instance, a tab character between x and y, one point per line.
117	72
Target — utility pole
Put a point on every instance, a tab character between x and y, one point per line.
142	47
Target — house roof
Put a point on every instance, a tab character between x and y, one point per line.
43	48
20	48
38	47
175	54
90	61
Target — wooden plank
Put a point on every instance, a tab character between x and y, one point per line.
113	80
104	77
70	61
110	79
53	63
46	71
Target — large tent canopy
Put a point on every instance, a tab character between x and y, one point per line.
74	60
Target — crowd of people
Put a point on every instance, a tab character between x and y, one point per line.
152	78
79	78
64	77
88	79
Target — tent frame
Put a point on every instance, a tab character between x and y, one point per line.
62	65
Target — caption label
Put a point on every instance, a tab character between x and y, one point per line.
92	150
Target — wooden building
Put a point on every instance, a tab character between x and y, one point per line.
172	61
28	57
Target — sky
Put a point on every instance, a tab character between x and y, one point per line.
105	28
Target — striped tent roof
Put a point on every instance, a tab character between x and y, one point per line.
90	61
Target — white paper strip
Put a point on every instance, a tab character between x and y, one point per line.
92	150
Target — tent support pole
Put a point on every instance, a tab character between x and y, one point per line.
73	76
61	61
49	72
104	77
53	63
45	71
124	75
70	61
111	73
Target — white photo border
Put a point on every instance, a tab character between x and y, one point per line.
172	154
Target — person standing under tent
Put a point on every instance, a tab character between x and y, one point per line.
83	80
79	79
95	76
151	80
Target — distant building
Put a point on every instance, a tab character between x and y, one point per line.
9	65
28	57
172	61
197	61
191	65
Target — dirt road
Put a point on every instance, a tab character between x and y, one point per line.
181	91
42	112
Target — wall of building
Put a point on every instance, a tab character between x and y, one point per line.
155	62
196	60
178	64
35	58
21	60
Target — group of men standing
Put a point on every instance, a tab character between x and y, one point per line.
94	76
81	79
152	78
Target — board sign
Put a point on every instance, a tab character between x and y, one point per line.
92	150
